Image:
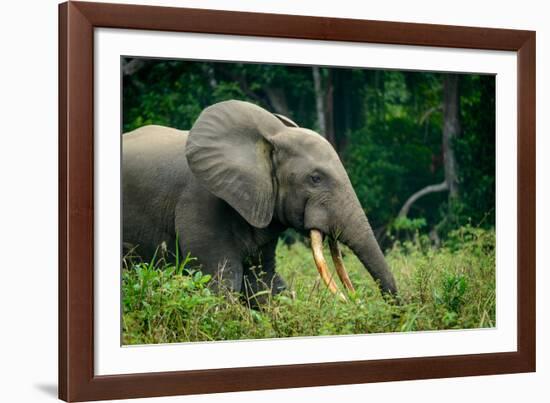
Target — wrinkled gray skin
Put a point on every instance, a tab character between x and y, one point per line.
231	185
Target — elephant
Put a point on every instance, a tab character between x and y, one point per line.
225	190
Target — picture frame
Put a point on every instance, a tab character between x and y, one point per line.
77	379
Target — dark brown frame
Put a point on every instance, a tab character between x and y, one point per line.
77	21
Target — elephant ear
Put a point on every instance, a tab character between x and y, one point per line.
229	151
286	121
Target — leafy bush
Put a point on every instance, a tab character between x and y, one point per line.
452	287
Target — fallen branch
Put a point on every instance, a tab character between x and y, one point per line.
422	192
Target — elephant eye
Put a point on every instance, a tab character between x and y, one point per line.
315	179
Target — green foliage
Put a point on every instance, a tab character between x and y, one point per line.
408	224
452	287
173	93
475	150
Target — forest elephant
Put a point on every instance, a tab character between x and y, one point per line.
226	189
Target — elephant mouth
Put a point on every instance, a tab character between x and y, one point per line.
322	267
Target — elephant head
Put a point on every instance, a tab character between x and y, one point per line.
267	168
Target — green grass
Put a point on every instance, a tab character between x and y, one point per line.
451	287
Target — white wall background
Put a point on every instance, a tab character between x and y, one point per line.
28	198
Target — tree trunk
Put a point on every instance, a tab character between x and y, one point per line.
451	129
211	74
324	104
329	110
277	98
380	94
319	100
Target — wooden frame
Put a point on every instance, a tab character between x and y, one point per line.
77	381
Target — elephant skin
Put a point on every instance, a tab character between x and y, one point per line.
226	190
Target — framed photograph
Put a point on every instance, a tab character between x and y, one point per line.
211	161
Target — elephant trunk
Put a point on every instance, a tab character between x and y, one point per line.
359	237
354	231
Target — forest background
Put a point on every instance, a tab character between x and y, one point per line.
419	145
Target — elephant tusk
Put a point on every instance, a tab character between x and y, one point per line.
339	264
321	263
